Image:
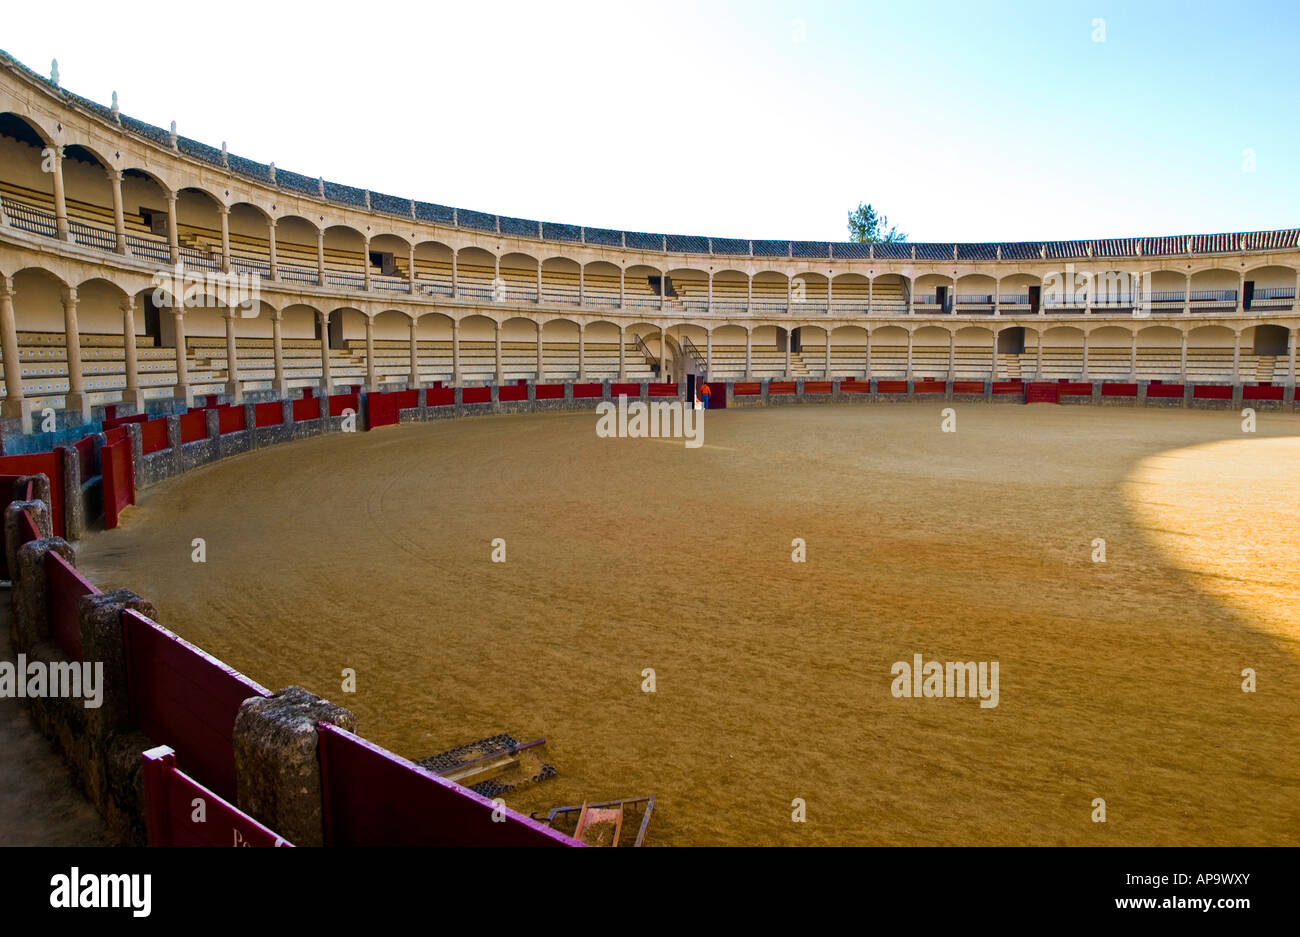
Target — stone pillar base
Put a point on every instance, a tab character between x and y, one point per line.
183	395
20	409
78	402
235	391
132	397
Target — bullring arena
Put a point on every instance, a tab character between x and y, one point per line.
342	400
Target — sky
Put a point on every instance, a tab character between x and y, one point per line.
962	121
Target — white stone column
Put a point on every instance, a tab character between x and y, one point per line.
281	386
582	285
232	359
455	281
1182	358
911	294
1295	339
62	231
455	352
867	369
952	354
76	396
909	354
15	406
1038	364
749	352
1085	355
871	283
993	373
410	271
622	286
326	374
997	296
181	390
663	291
1241	293
173	234
365	262
827	373
413	377
1187	297
1133	356
371	384
830	293
708	356
1236	356
789	340
622	346
749	292
272	261
131	393
541	356
225	237
539	281
501	369
320	254
119	218
582	360
709	306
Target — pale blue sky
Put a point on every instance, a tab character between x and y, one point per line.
962	121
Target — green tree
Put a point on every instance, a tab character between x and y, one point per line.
866	225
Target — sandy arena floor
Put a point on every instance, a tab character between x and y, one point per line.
1119	680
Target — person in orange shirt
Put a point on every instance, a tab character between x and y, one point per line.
704	395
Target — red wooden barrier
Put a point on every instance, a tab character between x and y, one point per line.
182	697
776	388
855	387
153	436
116	434
1109	389
306	408
476	395
230	419
86	457
194	426
1212	392
116	421
1074	388
119	481
968	387
64	587
1261	392
746	389
439	396
341	402
1165	390
169	796
1042	392
624	390
817	387
663	390
512	392
383	410
371	797
407	399
40	463
1008	387
584	391
936	387
268	414
891	387
548	392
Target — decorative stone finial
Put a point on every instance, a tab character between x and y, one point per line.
117	112
954	252
54	72
173	134
225	155
999	252
271	172
320	186
1139	247
1042	251
1189	245
367	199
412	208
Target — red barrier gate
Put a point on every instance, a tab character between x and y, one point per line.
817	387
371	797
1042	392
194	426
184	698
1165	390
383	410
270	413
169	796
439	396
153	436
1008	387
118	481
510	393
617	390
1261	392
341	402
306	408
776	388
1212	392
855	387
936	387
548	392
968	387
1109	389
476	395
893	387
663	390
583	391
41	463
746	389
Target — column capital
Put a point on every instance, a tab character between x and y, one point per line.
7	287
69	296
127	304
114	175
223	209
171	197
